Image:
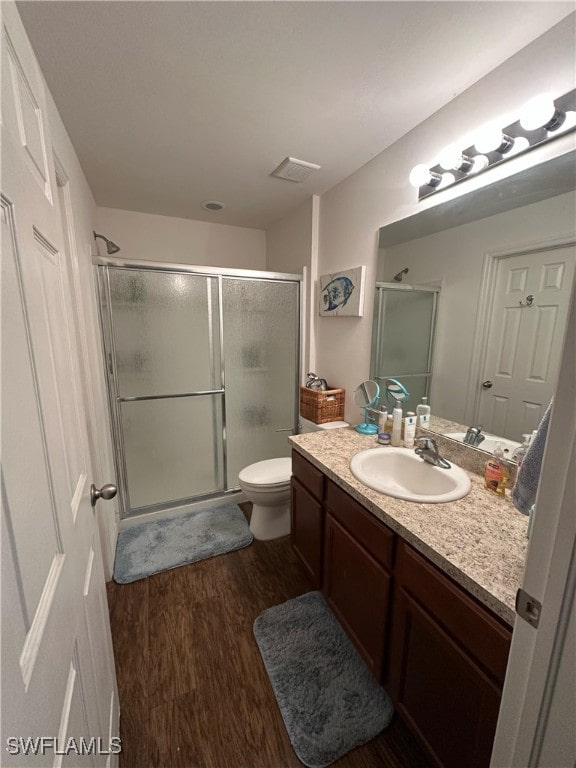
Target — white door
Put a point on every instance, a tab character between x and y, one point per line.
525	335
59	696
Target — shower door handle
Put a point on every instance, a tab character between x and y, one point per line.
107	492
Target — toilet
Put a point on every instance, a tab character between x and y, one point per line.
267	485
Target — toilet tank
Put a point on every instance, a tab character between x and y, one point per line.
305	425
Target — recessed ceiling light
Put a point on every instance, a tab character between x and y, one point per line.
212	205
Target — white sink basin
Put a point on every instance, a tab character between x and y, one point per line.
489	442
399	472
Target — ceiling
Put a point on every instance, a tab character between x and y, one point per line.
172	103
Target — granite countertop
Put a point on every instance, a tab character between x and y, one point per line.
480	540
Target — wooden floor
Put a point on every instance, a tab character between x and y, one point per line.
193	689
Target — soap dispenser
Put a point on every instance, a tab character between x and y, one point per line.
496	472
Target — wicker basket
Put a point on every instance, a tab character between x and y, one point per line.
322	407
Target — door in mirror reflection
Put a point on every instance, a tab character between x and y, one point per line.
525	337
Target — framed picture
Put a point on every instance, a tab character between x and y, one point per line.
341	294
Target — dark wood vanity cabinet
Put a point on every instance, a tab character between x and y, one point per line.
357	579
440	654
446	663
307	517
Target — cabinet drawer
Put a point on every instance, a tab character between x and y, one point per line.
481	634
374	536
308	476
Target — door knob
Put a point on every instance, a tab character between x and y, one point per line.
487	384
107	492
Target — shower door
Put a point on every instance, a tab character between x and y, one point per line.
165	374
261	331
202	378
403	337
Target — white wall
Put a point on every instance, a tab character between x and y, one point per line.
288	241
146	236
454	259
379	192
292	246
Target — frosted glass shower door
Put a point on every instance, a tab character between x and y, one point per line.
166	375
402	339
261	333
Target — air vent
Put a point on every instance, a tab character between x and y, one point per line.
212	205
292	169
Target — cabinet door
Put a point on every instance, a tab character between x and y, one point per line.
357	589
307	519
436	687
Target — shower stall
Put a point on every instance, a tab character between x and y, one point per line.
202	372
403	337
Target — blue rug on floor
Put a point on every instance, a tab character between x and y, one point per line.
329	699
163	544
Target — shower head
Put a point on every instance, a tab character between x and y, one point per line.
401	274
110	246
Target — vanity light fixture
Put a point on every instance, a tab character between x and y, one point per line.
421	176
541	120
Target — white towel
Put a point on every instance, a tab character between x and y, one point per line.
524	491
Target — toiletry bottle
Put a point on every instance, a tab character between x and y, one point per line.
397	426
382	417
520	452
496	472
423	414
409	429
389	423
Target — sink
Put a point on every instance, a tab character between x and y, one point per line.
489	442
399	472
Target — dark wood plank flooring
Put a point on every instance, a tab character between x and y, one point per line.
193	689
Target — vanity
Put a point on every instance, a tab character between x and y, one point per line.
425	591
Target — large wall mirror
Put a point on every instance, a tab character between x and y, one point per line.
502	261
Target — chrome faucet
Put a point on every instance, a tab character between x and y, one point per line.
473	436
428	450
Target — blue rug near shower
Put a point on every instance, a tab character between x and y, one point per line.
164	544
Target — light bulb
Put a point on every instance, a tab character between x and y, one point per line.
447	179
520	144
491	139
452	159
479	163
569	122
421	176
541	112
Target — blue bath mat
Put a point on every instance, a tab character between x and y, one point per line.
329	699
163	544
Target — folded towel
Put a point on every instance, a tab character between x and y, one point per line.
524	491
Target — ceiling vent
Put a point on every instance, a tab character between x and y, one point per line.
292	169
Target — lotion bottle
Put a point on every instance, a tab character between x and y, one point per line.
397	426
409	429
423	414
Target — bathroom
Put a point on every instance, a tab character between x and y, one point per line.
322	229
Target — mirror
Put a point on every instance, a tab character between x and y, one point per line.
365	397
496	350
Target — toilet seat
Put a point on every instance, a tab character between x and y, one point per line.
269	472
